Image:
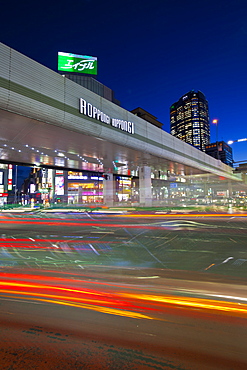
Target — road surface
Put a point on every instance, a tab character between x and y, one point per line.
122	292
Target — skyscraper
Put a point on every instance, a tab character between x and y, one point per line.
189	119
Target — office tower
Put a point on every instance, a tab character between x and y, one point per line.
189	119
220	150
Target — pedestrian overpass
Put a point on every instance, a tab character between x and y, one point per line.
50	121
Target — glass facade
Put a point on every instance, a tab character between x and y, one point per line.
189	120
220	150
83	187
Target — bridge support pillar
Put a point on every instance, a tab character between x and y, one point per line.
145	186
108	189
229	188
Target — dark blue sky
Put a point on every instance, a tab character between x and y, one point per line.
149	52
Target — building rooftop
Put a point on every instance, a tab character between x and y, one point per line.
140	112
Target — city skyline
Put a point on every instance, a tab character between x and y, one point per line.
149	54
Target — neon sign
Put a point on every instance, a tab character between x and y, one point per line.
68	62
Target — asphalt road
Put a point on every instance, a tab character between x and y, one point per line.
212	243
122	292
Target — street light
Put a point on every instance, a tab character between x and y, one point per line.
215	121
236	141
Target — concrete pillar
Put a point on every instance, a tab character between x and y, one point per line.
108	189
230	189
80	194
145	184
205	189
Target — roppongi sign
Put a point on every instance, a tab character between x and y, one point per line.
93	112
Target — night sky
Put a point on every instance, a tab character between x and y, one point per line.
149	52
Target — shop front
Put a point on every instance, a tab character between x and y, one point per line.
124	186
84	188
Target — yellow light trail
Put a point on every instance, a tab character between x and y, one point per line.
207	304
79	301
99	301
40	286
185	215
55	296
102	309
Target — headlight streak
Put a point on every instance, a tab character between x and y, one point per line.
22	248
103	224
77	300
192	215
70	250
106	310
115	303
204	304
84	224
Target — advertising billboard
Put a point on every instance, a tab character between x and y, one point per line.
68	62
59	185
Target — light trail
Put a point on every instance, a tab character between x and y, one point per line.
100	223
204	304
109	225
169	215
106	310
89	299
114	303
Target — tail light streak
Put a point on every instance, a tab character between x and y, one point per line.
136	306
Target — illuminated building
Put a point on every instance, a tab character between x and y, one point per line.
189	119
220	150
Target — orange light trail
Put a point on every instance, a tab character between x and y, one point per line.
107	310
205	304
88	299
116	303
165	215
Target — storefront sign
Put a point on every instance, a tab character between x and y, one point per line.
77	177
93	112
10	176
97	178
59	185
68	62
221	193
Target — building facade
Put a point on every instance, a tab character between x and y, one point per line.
73	137
93	85
222	151
189	120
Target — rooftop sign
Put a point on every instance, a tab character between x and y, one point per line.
68	62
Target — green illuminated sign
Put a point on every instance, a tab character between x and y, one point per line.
68	62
